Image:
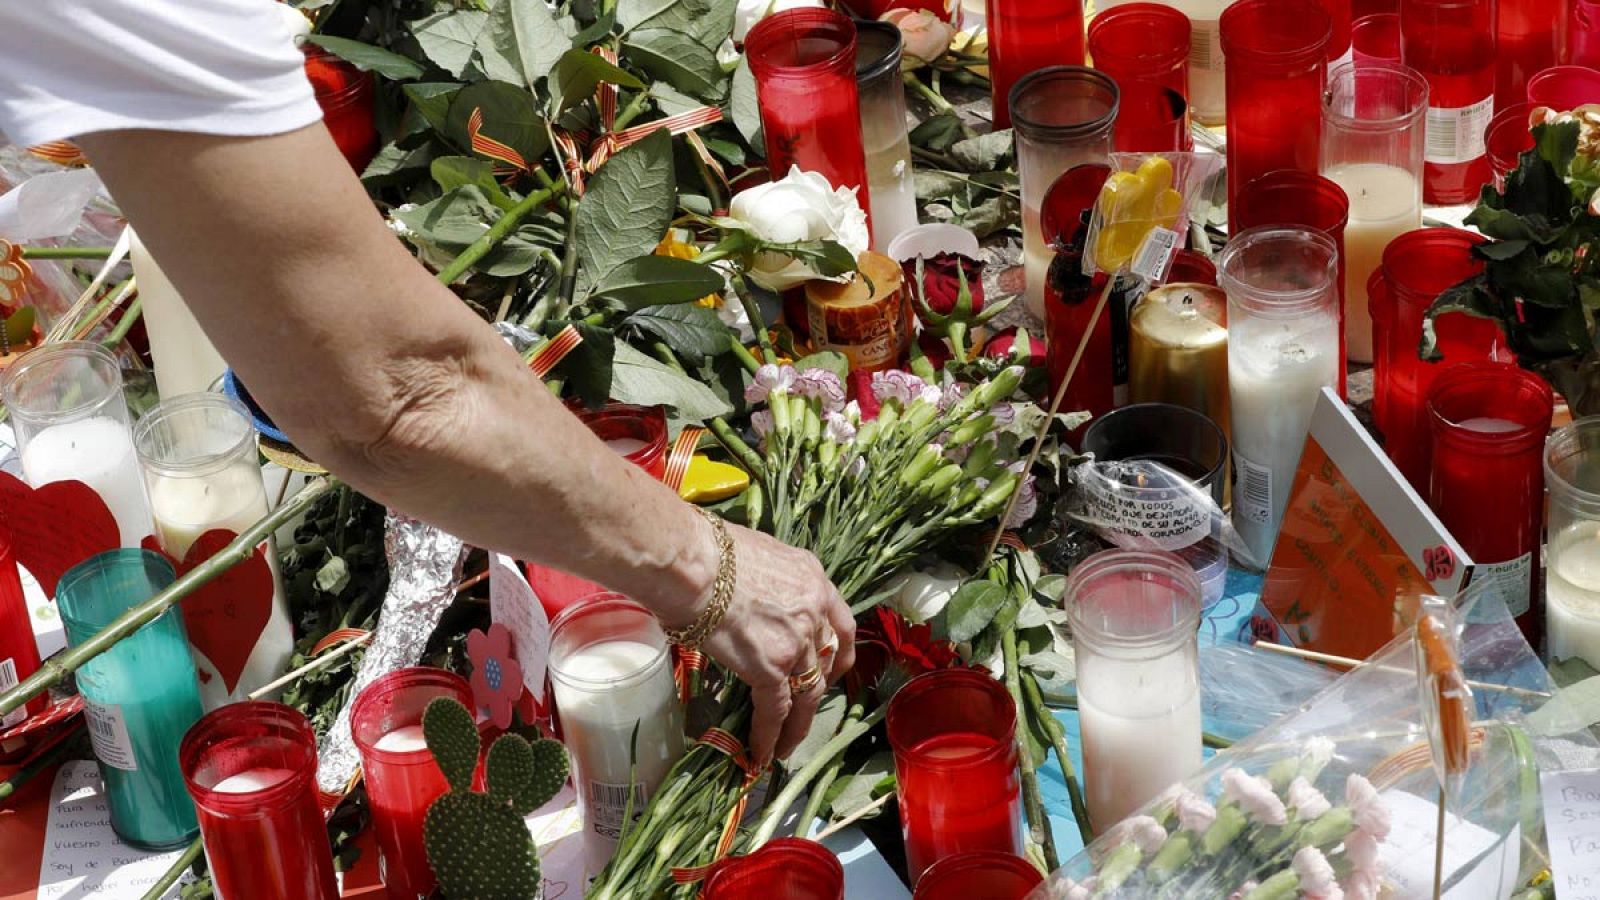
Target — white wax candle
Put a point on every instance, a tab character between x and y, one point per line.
252	780
1385	202
1141	732
1036	258
598	728
185	361
1275	369
1572	593
405	739
892	191
623	446
1487	425
97	451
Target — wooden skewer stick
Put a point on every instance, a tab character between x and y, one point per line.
1348	663
853	818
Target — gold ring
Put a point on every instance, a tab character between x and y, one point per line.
806	681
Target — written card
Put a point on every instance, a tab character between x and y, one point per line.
513	604
82	855
1572	824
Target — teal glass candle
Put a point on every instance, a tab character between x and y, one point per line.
139	697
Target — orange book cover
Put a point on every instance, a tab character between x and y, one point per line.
1356	541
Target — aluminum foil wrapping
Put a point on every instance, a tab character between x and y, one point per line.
424	569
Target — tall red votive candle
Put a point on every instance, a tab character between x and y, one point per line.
783	869
1452	43
1276	69
804	62
1339	14
1301	199
1583	34
1191	267
1418	266
345	95
1375	39
1507	137
1152	118
1071	296
954	737
251	768
989	875
1489	421
401	776
1564	88
1028	35
1142	42
1528	40
1359	8
19	652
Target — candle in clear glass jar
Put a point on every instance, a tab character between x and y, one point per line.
198	454
1026	36
1372	147
620	715
1135	615
1452	44
1179	349
1283	348
71	422
1572	559
884	135
1062	117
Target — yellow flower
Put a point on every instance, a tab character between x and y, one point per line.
679	244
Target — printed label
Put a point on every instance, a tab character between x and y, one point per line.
1455	133
8	680
1511	581
1155	253
608	803
1252	492
1167	519
108	733
1205	46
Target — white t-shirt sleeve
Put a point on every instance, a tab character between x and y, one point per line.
225	67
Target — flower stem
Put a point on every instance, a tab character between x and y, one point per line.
746	359
64	744
747	455
174	871
58	667
66	252
803	778
1058	740
758	324
1039	830
631	111
129	316
819	795
497	232
938	102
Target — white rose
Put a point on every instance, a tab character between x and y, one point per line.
749	12
802	206
923	595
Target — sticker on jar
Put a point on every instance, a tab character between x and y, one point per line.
1155	254
1511	581
1205	46
1252	491
608	803
1455	133
108	733
1136	515
8	680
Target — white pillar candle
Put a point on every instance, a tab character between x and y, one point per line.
1141	732
185	360
405	739
1572	593
97	451
1385	202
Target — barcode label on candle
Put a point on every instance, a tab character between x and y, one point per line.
1511	581
608	803
1455	133
1205	45
108	733
1252	495
8	680
1150	263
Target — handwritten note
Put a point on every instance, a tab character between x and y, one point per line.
82	855
1478	864
513	604
1572	823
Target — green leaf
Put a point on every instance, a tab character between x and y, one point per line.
829	258
829	716
589	367
874	779
498	54
510	116
829	360
672	101
19	326
627	207
984	153
637	378
454	220
334	575
368	58
675	57
1501	250
451	172
522	42
652	280
692	331
1053	669
1052	587
972	609
939	133
450	38
632	13
577	74
707	22
432	101
744	108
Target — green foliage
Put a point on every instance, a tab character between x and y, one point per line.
368	58
650	280
452	739
626	209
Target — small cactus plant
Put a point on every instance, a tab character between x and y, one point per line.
477	843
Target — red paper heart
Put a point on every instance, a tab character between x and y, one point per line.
225	617
55	527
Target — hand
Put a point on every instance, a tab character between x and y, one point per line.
783	609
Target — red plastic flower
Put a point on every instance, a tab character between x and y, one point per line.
891	651
496	677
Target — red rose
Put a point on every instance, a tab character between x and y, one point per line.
941	281
1001	346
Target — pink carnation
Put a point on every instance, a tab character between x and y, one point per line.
1255	796
1194	813
1317	881
1307	801
769	378
1367	807
820	384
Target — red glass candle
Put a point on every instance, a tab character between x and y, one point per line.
1276	69
1451	42
1528	40
251	768
1304	200
1583	34
1380	306
804	62
1489	421
1071	296
1152	118
401	776
783	869
1564	88
1028	35
1508	136
19	652
345	94
639	435
1359	8
1339	14
965	876
1191	267
1142	42
954	737
1375	39
1417	267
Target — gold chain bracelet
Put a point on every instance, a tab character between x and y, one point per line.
691	636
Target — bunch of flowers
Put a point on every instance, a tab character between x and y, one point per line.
1271	837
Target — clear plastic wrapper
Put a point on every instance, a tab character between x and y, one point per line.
1340	798
1143	212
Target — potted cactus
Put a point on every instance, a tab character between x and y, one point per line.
478	845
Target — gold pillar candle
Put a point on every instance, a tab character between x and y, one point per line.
1179	349
863	318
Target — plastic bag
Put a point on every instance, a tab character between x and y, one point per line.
1340	798
1143	211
